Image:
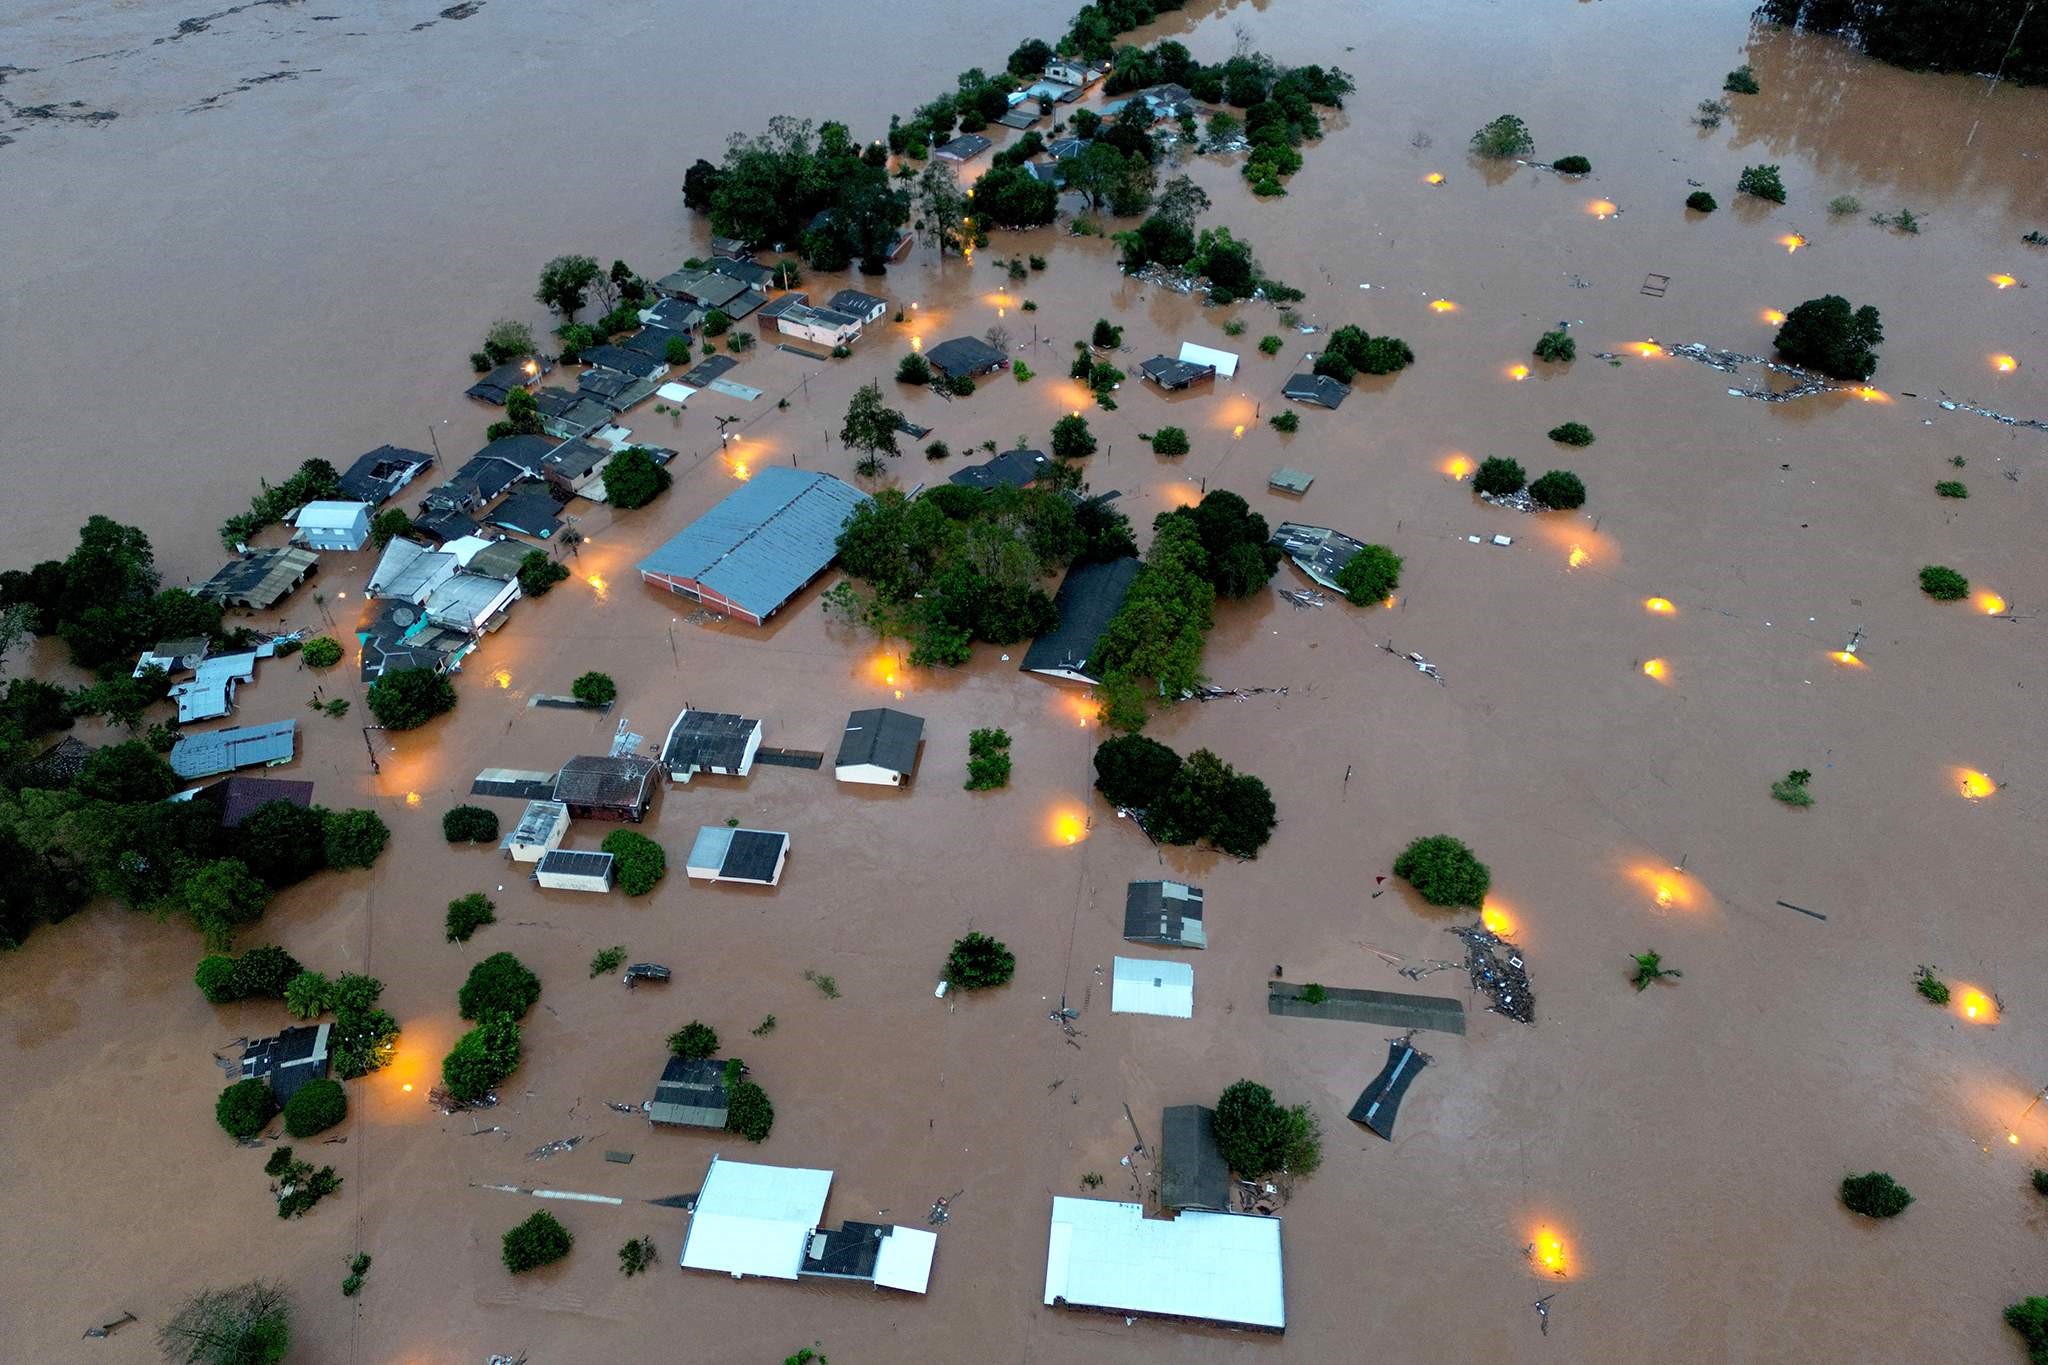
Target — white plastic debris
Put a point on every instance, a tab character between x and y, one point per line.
1503	540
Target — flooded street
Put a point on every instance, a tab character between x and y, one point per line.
240	272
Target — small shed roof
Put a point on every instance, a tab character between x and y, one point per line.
754	1220
763	541
240	746
882	737
575	862
1223	362
1143	985
1317	551
1318	389
500	559
1290	480
537	823
905	1261
855	302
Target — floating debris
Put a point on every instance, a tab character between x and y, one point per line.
546	1150
1304	598
1519	500
1498	972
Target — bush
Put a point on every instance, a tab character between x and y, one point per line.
595	689
914	369
1314	993
960	385
1571	165
635	1256
1699	201
1258	1135
243	1108
1270	345
1827	335
540	1240
1170	441
249	1324
500	984
2040	1179
1741	81
321	652
937	450
2029	1317
1107	336
1021	372
1444	872
748	1111
1949	488
1368	576
1507	136
1875	1195
1572	434
1843	204
637	859
605	961
355	837
282	842
469	825
632	479
308	995
694	1041
1498	476
1133	771
716	323
1071	439
988	760
410	697
481	1058
1560	488
538	574
1931	987
978	962
215	978
467	914
1763	182
677	351
265	971
1286	422
315	1107
1791	788
388	525
1943	584
1556	346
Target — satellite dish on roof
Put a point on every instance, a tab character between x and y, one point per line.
403	616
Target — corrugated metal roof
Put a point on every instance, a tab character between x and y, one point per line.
764	540
243	746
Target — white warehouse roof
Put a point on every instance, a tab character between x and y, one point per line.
755	1220
1143	985
906	1259
1219	1267
1223	362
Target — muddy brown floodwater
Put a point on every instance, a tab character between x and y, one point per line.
236	273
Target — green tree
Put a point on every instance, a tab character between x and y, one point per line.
988	760
1556	347
1571	165
1559	488
1763	182
1699	201
481	1058
355	837
308	995
2029	1317
125	774
467	914
871	425
469	825
540	1240
565	284
1498	476
1012	197
315	1107
914	369
1443	871
594	689
1170	441
215	977
387	525
977	962
282	842
321	652
537	578
249	1324
748	1110
265	970
1258	1135
694	1041
1943	584
1505	137
221	896
1071	439
637	859
243	1108
1370	575
508	340
410	697
1874	1194
1571	434
500	984
1133	771
1825	334
632	479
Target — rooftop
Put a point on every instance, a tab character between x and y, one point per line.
1143	985
1317	551
1011	469
963	148
1192	1171
616	781
738	855
964	355
754	1220
1169	373
240	746
691	1092
1319	389
883	738
1089	596
1215	1267
707	739
1168	913
513	374
763	541
240	797
855	302
259	580
379	475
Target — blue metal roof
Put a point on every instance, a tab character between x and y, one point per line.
219	751
764	540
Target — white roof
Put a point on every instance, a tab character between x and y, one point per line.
1225	362
674	393
755	1220
342	515
1222	1267
906	1259
1144	985
466	548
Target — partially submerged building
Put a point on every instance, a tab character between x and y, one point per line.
241	746
1317	551
1145	985
1088	597
328	525
566	869
1379	1104
965	357
1017	468
408	571
380	475
1223	363
542	827
879	747
853	302
601	787
395	635
530	512
710	742
759	546
1192	1171
288	1060
486	475
238	798
259	580
209	693
1166	913
962	149
724	854
765	1220
1318	389
497	385
1198	1267
690	1094
1175	375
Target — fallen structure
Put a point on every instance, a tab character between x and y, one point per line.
1379	1104
1317	551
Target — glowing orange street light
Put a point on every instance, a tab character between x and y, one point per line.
1237	432
597	584
1647	349
1547	1251
1069	828
1578	556
1773	316
916	343
1458	467
2004	364
412	798
1658	606
1977	1007
1792	241
1988	602
1442	306
2002	281
1496	918
1873	395
1518	372
1433	178
1602	209
1975	786
1656	668
1847	660
532	367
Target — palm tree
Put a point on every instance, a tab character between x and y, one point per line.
1649	967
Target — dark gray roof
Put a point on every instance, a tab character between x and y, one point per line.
1379	1104
622	782
884	737
707	370
614	389
705	287
782	303
1169	373
1317	551
259	580
964	355
691	1091
849	1252
393	637
763	541
707	739
573	460
575	862
1192	1171
500	559
1319	389
1088	597
444	525
531	513
964	148
618	358
747	272
288	1060
1168	913
377	476
652	341
1048	172
1011	469
513	374
855	302
752	854
679	315
743	304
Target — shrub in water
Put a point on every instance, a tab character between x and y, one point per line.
1931	987
1368	576
467	914
1572	434
1287	423
2029	1317
1572	165
637	859
748	1111
321	652
1949	488
1741	81
1943	584
540	1240
1170	441
500	984
1699	201
978	961
243	1108
1506	136
1560	488
1443	871
469	825
1556	346
694	1041
1763	182
1791	788
1497	475
315	1107
1875	1195
594	689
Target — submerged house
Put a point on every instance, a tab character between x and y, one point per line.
1223	363
470	603
724	854
690	1094
854	303
1145	985
879	747
710	742
759	546
1319	389
1017	468
566	414
965	357
488	473
497	385
242	746
396	635
541	828
1192	1171
962	149
1089	596
210	692
259	580
1166	913
598	787
238	798
1198	1267
332	525
1174	375
288	1060
1317	551
765	1220
380	475
408	571
563	869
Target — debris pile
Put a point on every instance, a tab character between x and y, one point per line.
1498	972
1519	500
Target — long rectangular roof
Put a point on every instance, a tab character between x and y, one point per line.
1088	597
242	746
1144	985
754	1220
764	540
1219	1267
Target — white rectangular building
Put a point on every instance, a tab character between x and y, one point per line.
1223	362
333	525
755	1220
539	832
1143	985
1206	1267
562	869
724	854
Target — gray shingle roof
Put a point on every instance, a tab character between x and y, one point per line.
615	782
1192	1171
1088	597
964	355
764	540
1011	469
881	736
1168	913
1319	389
707	739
